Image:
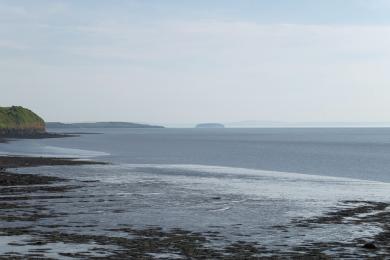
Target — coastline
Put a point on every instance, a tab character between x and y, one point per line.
45	135
26	199
8	178
30	161
19	191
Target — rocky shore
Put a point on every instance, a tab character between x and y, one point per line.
24	161
13	179
4	138
25	199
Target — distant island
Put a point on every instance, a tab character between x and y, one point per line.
210	125
99	125
17	121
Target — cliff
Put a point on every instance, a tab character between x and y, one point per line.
19	122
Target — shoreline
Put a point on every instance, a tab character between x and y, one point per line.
12	161
8	178
9	137
26	199
19	191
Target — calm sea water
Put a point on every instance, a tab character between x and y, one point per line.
362	153
262	178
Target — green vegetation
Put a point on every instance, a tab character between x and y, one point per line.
20	121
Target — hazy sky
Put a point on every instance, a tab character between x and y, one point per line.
182	61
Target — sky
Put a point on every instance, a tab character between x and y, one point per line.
182	61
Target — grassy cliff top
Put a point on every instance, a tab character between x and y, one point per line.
16	117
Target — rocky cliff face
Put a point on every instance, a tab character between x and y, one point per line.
19	122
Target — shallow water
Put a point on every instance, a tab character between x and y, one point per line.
239	204
227	181
361	153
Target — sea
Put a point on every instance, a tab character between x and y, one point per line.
239	183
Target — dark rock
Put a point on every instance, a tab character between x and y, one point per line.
369	246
